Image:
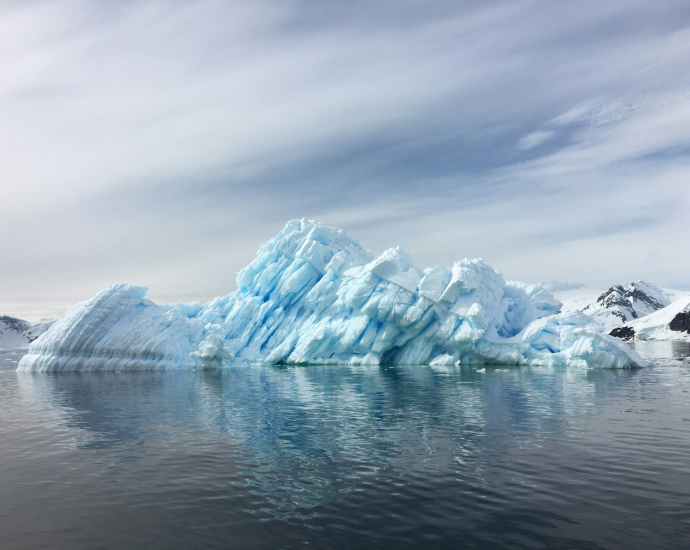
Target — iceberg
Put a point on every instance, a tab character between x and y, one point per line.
313	294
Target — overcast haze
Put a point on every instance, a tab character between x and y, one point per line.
160	143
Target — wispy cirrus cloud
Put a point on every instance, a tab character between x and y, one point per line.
160	143
534	139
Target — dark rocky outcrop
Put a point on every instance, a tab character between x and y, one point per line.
624	333
681	322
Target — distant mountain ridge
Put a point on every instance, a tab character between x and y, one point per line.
632	301
669	323
631	311
18	334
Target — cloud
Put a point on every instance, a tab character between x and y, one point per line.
534	139
160	143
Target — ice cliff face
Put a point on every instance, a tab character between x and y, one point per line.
314	295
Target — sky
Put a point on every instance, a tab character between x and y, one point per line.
160	143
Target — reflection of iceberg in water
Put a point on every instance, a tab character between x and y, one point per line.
303	436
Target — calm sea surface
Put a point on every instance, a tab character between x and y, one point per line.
347	457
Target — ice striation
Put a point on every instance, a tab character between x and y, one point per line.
314	295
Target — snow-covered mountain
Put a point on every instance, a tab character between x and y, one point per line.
669	323
637	310
18	334
623	303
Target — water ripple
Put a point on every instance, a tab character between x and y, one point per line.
342	457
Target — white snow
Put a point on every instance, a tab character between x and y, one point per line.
577	299
655	326
616	306
674	294
17	334
623	303
314	295
628	305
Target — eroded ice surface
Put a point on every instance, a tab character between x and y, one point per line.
314	295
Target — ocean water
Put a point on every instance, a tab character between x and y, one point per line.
347	457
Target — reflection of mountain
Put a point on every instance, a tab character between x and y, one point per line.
295	433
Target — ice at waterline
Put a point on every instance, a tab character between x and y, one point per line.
314	295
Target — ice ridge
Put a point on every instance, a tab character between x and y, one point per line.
314	295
